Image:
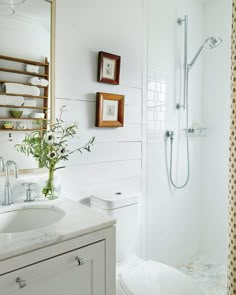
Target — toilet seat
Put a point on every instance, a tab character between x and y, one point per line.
144	279
138	277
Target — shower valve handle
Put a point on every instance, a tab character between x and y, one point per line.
180	106
170	134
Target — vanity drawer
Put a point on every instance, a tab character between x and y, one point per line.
78	272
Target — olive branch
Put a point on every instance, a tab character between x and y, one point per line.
51	147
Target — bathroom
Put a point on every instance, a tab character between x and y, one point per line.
186	229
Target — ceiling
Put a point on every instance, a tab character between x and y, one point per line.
39	9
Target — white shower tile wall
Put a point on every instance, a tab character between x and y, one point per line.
156	105
211	277
172	215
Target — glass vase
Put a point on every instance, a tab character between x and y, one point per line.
51	190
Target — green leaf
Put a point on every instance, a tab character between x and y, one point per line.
36	146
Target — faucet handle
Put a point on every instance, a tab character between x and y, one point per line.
29	190
29	184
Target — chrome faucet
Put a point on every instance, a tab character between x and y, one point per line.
8	200
2	164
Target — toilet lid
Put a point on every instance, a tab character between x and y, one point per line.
141	280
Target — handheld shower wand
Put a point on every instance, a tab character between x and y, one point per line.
213	42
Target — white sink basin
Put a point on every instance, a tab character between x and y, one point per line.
22	219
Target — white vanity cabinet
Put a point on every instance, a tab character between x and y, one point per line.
79	272
63	269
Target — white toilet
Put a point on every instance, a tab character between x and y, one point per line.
134	275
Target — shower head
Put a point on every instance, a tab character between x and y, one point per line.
213	43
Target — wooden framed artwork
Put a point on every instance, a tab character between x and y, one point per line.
108	68
110	110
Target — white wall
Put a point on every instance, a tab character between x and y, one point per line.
82	29
173	224
216	116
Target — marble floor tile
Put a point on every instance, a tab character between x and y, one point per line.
211	277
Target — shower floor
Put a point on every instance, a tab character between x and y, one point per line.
211	277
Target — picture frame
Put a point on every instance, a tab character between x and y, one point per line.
108	68
109	110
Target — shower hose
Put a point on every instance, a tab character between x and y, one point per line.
170	134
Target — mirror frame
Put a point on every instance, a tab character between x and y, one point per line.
52	60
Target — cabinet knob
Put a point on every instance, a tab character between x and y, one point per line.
79	260
21	283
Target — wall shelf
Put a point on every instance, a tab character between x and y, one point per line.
24	95
24	61
20	130
22	107
197	132
23	73
22	119
43	106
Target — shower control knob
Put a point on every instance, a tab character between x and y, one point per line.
180	21
170	134
180	106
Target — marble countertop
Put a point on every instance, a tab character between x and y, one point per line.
78	220
24	173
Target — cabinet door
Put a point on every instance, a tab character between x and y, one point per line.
79	272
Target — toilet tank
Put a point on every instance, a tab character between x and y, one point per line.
125	209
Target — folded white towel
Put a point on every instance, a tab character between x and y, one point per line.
140	280
44	82
21	89
11	100
34	81
37	81
30	103
32	68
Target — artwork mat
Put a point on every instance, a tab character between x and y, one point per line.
105	60
108	62
110	110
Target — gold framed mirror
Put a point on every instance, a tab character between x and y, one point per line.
27	30
27	63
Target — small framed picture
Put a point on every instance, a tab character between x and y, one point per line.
108	68
110	110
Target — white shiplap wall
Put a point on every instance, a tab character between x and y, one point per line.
83	28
